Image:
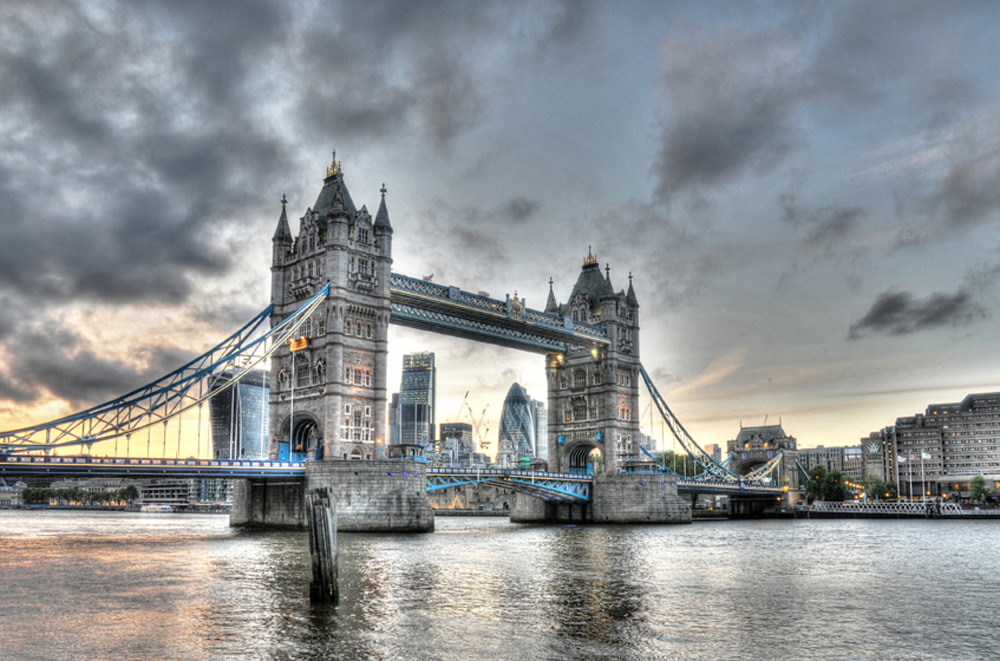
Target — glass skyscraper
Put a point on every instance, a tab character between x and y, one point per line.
239	416
517	424
417	390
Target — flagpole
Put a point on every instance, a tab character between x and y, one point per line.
923	484
899	460
910	462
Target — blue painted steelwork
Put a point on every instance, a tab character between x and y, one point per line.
86	466
719	487
451	311
556	487
168	396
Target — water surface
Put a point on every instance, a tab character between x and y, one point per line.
102	585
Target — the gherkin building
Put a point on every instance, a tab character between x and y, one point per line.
516	425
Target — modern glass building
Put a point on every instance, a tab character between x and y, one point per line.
239	416
516	423
541	423
416	399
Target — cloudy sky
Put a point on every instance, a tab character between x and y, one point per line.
805	193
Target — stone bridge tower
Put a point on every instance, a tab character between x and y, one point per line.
593	393
756	446
328	397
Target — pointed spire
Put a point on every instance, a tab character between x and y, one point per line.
382	217
609	291
283	232
551	307
630	297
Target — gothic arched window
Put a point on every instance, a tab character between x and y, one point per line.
580	378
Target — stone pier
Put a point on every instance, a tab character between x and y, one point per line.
638	498
371	496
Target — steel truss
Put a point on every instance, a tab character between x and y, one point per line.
169	396
713	470
451	311
554	487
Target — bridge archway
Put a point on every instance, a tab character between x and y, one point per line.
583	457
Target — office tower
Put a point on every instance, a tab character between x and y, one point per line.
416	399
239	416
517	430
540	418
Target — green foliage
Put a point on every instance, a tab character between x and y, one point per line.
681	463
834	489
878	489
78	496
978	490
823	485
814	485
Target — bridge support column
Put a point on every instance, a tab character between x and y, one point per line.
529	509
268	504
375	496
638	498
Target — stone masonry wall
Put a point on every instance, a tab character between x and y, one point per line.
375	496
639	498
263	504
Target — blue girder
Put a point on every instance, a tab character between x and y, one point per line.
451	311
132	467
168	396
556	487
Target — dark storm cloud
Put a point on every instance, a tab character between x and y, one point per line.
64	365
133	146
827	226
861	66
732	101
520	209
900	313
737	97
376	68
969	194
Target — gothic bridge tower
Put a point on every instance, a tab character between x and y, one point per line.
594	392
328	397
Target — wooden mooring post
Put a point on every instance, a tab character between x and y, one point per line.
321	511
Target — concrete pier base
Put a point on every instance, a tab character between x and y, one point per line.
615	499
267	504
375	496
371	496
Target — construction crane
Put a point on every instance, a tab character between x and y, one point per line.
461	407
478	425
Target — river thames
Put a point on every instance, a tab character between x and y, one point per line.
114	585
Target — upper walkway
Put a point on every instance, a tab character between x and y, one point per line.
133	467
451	311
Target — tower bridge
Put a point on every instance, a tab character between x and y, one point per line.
333	297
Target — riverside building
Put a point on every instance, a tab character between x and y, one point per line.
936	453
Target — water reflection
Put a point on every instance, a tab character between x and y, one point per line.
115	585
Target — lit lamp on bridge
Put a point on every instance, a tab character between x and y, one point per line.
299	344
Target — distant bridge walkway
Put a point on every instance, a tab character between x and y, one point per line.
132	467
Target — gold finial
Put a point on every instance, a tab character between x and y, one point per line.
591	260
335	168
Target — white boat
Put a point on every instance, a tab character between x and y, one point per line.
157	508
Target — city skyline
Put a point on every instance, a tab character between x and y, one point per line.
804	194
